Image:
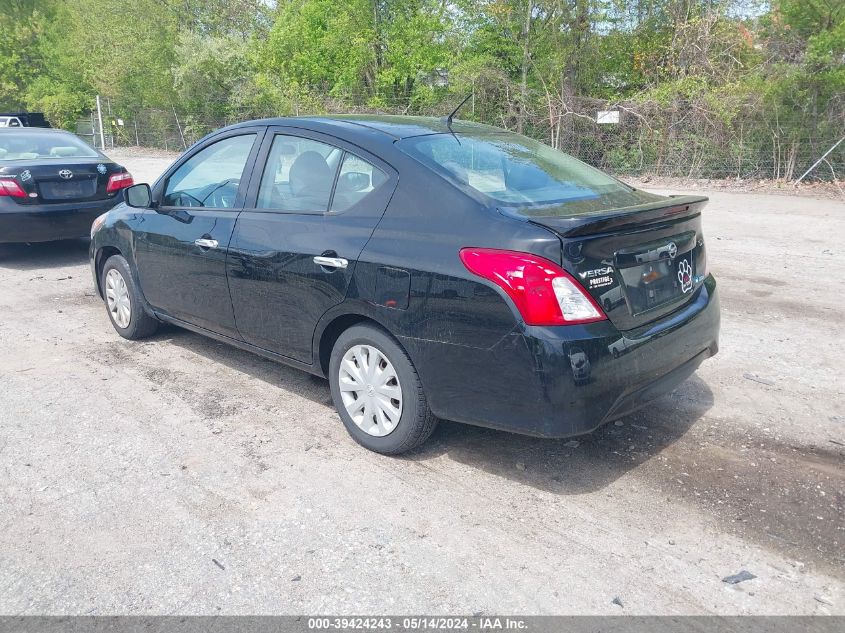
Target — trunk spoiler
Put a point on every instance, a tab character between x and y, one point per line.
671	208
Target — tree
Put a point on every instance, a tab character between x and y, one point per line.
22	25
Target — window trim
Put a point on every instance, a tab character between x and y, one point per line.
243	186
343	154
346	147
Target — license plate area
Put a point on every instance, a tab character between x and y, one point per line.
656	283
68	190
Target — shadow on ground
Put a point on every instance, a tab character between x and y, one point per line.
577	465
282	377
767	493
566	467
44	255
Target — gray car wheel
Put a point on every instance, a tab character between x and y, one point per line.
377	391
124	302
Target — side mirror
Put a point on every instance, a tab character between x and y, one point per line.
353	181
139	196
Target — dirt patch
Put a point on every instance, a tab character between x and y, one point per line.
129	467
788	498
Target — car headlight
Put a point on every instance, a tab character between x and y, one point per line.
97	224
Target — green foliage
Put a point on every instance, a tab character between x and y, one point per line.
211	69
22	24
323	45
60	103
704	85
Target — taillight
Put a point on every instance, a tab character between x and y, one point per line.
9	187
119	181
543	292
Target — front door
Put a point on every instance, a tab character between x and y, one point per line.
181	245
295	245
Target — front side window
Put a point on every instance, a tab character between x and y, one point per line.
211	177
518	172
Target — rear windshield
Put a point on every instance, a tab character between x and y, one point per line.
26	146
524	175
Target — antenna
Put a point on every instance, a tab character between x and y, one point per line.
448	120
455	111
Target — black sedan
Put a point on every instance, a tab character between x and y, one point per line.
427	269
53	185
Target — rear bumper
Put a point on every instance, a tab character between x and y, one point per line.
44	223
564	381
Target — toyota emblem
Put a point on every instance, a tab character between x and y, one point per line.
67	174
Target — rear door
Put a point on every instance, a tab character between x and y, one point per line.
181	245
313	204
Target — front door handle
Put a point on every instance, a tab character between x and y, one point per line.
331	262
204	243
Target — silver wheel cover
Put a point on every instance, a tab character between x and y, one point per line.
117	298
369	386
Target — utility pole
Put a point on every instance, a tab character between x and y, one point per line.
100	121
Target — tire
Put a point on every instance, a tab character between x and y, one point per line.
140	324
415	422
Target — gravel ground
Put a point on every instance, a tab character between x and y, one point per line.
178	475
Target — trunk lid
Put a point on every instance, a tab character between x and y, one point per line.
639	263
64	181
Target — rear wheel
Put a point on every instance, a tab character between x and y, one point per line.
123	301
377	392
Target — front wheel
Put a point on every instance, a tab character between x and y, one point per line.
378	393
123	301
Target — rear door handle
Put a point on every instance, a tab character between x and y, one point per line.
331	262
204	243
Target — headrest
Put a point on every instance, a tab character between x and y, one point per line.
64	151
309	172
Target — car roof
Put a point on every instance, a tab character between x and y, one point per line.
397	127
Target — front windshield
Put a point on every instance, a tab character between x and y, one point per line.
516	171
30	145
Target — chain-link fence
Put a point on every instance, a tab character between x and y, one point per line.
685	139
678	139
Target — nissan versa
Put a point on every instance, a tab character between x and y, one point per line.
428	269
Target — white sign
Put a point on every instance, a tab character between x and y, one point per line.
607	117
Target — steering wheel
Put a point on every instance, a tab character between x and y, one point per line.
186	200
223	195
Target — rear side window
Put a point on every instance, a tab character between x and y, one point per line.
299	175
211	177
356	181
